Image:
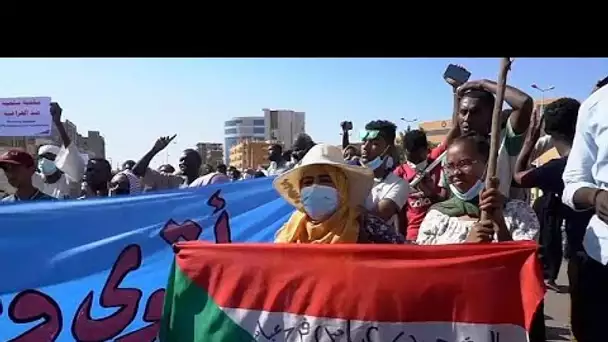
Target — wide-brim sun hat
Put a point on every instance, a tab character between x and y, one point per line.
360	179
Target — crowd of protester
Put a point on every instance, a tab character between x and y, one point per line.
413	193
436	195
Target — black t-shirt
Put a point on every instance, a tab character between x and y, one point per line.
548	178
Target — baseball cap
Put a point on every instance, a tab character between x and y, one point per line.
17	157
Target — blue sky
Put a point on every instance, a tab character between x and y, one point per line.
133	101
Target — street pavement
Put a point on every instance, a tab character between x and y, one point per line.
557	309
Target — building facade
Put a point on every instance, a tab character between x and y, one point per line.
249	154
437	130
70	129
94	145
284	125
211	153
239	129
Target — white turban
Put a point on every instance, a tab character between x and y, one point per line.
49	149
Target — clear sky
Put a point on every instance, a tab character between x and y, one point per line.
133	101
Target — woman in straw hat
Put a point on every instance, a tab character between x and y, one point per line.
327	194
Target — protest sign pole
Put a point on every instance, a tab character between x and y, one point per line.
505	66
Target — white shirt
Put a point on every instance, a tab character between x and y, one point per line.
210	178
510	146
438	228
275	169
154	180
392	187
71	163
588	167
543	144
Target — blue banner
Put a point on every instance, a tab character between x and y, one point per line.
95	270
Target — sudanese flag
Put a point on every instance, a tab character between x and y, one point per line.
373	293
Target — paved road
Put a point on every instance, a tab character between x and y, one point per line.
557	307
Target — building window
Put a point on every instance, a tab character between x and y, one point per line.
232	123
259	130
274	119
229	142
230	131
259	122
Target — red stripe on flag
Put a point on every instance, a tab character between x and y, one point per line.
477	283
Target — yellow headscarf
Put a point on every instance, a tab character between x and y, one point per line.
341	227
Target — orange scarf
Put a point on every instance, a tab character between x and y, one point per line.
341	227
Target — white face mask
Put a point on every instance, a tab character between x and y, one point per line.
469	195
420	166
319	201
47	167
379	161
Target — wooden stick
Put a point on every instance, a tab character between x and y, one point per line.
505	66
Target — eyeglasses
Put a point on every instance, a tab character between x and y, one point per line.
463	166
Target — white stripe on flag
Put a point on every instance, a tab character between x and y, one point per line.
279	327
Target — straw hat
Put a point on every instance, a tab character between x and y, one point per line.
360	179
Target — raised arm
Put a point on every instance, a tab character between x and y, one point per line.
454	132
345	140
521	103
523	176
142	165
68	160
56	115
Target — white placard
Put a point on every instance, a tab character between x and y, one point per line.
25	116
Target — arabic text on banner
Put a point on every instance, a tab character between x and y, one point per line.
25	116
96	270
289	292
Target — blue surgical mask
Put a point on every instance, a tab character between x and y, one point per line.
374	164
379	161
319	201
471	193
389	162
47	167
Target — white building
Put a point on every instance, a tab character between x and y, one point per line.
283	125
252	128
